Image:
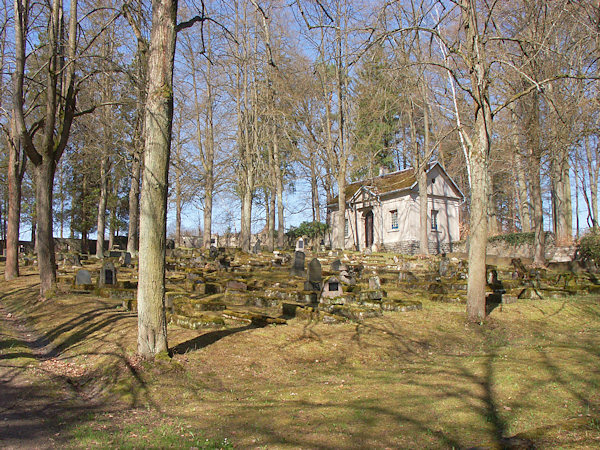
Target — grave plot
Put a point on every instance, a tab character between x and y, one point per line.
223	288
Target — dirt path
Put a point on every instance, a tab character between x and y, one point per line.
36	400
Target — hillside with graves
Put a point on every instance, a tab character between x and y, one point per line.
222	287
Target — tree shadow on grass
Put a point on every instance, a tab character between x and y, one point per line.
207	339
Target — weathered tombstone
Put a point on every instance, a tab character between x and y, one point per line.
256	247
224	263
298	264
125	259
444	266
108	274
336	265
347	278
314	277
213	252
73	260
82	277
374	283
407	276
300	245
332	288
236	285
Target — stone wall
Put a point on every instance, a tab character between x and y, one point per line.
504	249
412	247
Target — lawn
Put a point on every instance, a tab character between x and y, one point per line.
422	379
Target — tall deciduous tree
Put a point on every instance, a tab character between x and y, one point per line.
58	113
152	326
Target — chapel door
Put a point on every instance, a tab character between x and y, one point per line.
369	229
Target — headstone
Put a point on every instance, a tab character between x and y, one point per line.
336	265
114	254
224	262
74	260
347	278
300	245
407	276
235	285
444	266
315	276
108	274
125	259
374	283
298	264
256	247
332	288
82	277
213	252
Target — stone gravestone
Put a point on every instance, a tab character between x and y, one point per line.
374	283
315	276
298	264
444	267
347	277
256	247
82	277
332	288
125	259
213	252
108	275
74	260
300	245
336	266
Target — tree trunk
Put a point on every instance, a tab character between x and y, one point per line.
270	220
479	151
423	206
178	205
102	207
521	179
493	225
45	241
422	181
521	191
208	204
593	177
152	324
209	159
561	200
246	225
279	195
314	191
478	234
134	205
113	227
535	184
16	170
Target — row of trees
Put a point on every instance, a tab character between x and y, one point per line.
269	95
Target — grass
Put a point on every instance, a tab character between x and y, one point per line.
424	379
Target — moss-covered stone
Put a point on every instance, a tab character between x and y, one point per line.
197	322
